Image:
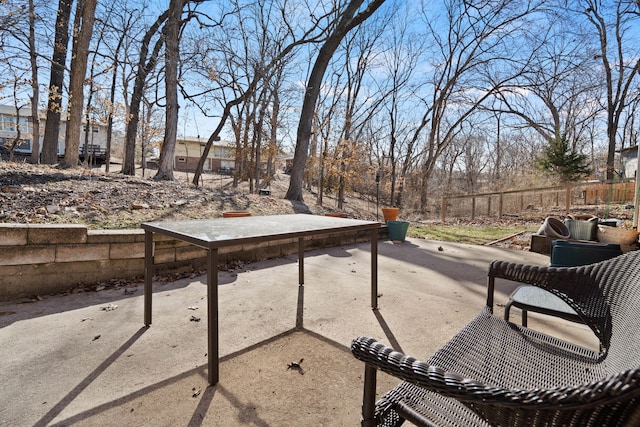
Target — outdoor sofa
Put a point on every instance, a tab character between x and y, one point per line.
497	373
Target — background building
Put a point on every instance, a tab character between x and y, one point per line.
189	150
96	140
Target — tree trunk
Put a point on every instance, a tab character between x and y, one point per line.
273	138
172	53
112	98
35	97
346	23
257	171
144	67
76	83
56	83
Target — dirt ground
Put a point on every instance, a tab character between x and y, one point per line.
101	200
45	194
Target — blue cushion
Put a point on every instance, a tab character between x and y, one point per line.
565	253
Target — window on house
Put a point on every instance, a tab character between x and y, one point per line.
24	145
182	159
8	123
24	125
221	152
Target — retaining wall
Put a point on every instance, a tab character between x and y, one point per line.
44	259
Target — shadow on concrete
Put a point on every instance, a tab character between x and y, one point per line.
391	338
45	305
121	401
444	258
246	411
59	407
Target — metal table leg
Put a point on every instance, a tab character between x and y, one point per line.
301	261
148	275
212	309
374	268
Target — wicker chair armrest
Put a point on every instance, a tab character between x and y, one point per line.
410	369
572	284
468	390
579	287
541	276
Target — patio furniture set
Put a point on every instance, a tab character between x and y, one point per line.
493	372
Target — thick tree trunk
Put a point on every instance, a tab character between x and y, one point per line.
172	53
56	82
76	83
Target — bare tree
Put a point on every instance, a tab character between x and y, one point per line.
19	120
35	87
146	63
399	68
325	130
85	16
478	35
172	39
290	40
56	83
361	52
620	63
345	22
554	95
19	56
120	25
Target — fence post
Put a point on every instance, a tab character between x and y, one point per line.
489	206
444	209
500	202
568	199
473	208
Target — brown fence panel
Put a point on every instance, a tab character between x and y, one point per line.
518	201
610	193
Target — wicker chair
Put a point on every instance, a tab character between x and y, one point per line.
496	373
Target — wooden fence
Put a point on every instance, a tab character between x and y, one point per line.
518	202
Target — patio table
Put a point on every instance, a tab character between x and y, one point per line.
213	234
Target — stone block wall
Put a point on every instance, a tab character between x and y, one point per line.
43	259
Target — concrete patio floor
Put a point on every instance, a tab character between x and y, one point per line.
86	359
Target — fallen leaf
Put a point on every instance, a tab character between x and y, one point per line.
109	307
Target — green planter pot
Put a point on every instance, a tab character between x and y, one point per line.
397	230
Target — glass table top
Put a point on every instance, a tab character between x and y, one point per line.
223	231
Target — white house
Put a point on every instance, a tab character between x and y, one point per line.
9	125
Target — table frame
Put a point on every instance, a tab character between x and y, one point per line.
324	225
